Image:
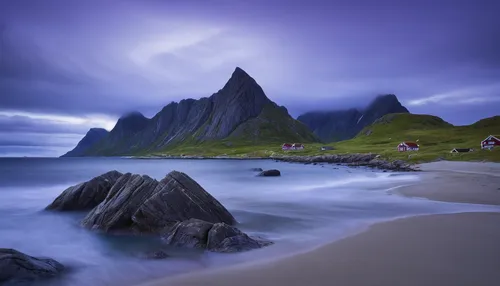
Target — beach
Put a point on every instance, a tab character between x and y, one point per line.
444	249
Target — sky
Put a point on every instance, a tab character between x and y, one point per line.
67	66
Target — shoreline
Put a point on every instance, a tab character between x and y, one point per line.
352	160
367	257
416	251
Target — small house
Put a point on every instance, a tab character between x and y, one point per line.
297	146
461	150
286	146
490	142
326	148
407	146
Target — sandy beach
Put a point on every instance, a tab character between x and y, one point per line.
445	249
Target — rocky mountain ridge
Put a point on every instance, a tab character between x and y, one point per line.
239	111
340	125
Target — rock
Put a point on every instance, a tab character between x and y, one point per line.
159	254
225	238
140	203
85	196
192	233
218	237
270	173
367	160
17	266
256	169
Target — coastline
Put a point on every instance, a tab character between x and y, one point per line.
437	249
353	160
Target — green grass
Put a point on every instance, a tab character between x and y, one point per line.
435	137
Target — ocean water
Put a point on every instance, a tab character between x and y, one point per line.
307	206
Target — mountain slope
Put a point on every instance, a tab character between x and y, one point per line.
240	111
340	125
435	136
93	136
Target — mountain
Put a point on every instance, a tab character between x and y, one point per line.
93	136
239	112
340	125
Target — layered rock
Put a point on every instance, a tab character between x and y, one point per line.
218	237
19	267
87	195
176	207
141	203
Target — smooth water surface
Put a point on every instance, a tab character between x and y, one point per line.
305	207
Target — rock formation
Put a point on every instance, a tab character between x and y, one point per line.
218	237
176	207
19	267
367	160
93	136
85	196
239	111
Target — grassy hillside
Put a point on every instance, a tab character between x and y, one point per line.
435	136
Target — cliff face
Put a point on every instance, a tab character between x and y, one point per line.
332	126
93	136
239	111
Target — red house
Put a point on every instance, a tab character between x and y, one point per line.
490	142
407	146
286	146
297	146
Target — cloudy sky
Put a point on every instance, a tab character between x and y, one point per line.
66	66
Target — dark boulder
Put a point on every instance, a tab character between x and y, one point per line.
270	173
143	204
191	233
218	237
85	196
17	266
226	238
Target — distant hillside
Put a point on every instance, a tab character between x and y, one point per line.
331	126
239	112
435	136
93	136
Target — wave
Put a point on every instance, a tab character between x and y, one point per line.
379	179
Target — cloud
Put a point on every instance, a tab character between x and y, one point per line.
470	95
91	61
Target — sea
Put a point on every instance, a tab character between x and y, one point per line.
308	206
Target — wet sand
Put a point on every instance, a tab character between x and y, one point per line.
445	250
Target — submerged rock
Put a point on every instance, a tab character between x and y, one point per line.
218	237
256	169
159	254
85	196
141	203
269	173
17	266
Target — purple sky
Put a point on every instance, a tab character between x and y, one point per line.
66	66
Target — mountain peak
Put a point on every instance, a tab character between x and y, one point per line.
133	114
387	103
239	76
